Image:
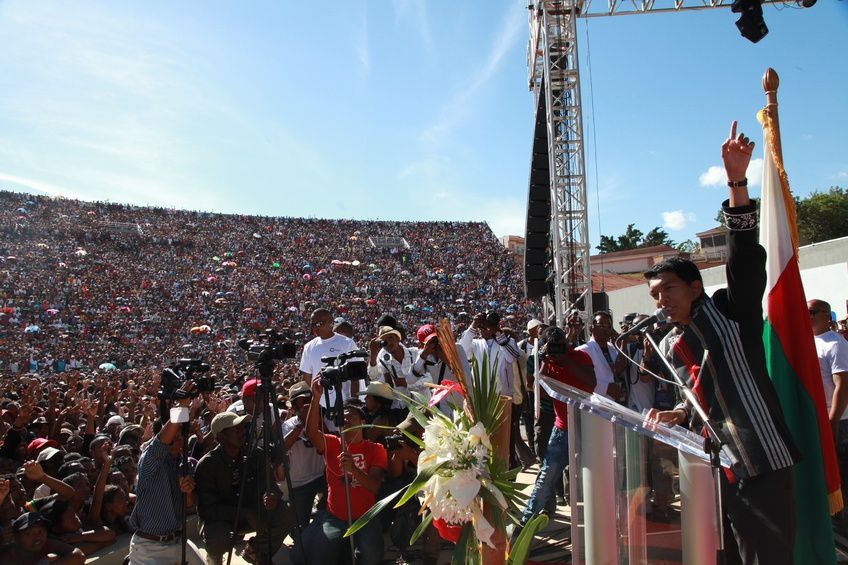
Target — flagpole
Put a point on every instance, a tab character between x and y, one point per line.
770	84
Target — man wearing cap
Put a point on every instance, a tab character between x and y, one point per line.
219	483
391	362
49	459
527	364
249	405
160	494
306	465
379	414
357	470
326	343
32	546
431	366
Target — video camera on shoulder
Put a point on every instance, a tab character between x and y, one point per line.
270	346
181	372
348	366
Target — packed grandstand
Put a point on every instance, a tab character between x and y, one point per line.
89	285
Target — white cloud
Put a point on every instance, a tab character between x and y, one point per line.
677	220
361	46
457	109
714	176
842	174
416	12
40	186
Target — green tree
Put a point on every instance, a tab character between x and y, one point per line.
688	246
823	215
630	239
656	236
608	244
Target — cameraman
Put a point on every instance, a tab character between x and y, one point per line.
485	340
306	465
219	483
403	467
326	343
391	362
359	471
560	361
157	515
640	385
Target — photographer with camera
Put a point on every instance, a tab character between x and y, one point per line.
306	465
326	343
485	340
391	362
379	413
354	473
161	494
403	468
219	480
565	364
640	386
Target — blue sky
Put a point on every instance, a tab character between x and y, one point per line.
398	109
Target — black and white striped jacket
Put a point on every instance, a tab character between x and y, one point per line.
720	353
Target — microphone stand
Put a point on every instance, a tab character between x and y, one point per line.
714	445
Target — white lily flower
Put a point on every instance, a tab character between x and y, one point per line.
464	486
477	434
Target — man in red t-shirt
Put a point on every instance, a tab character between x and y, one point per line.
362	464
561	362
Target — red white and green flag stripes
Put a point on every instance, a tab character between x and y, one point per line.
793	363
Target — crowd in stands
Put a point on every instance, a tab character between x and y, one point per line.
97	298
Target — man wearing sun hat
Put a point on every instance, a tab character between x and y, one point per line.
391	362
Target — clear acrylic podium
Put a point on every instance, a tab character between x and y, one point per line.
639	493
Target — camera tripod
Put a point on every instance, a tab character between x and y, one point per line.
264	391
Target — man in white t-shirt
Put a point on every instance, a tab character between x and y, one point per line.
326	343
832	350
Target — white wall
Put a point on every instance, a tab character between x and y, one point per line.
824	273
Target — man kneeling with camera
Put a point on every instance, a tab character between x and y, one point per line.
356	471
219	482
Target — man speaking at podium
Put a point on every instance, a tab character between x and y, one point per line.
717	347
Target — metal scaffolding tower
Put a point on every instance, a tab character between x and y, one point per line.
554	79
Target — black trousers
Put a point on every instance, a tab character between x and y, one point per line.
761	513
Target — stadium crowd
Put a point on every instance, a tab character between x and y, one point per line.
97	298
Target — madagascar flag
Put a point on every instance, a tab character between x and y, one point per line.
793	363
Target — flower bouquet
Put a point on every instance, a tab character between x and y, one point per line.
464	478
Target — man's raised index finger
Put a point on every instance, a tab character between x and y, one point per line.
733	129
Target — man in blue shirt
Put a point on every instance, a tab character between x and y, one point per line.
157	516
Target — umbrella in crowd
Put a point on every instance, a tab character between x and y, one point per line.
107	367
32	329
